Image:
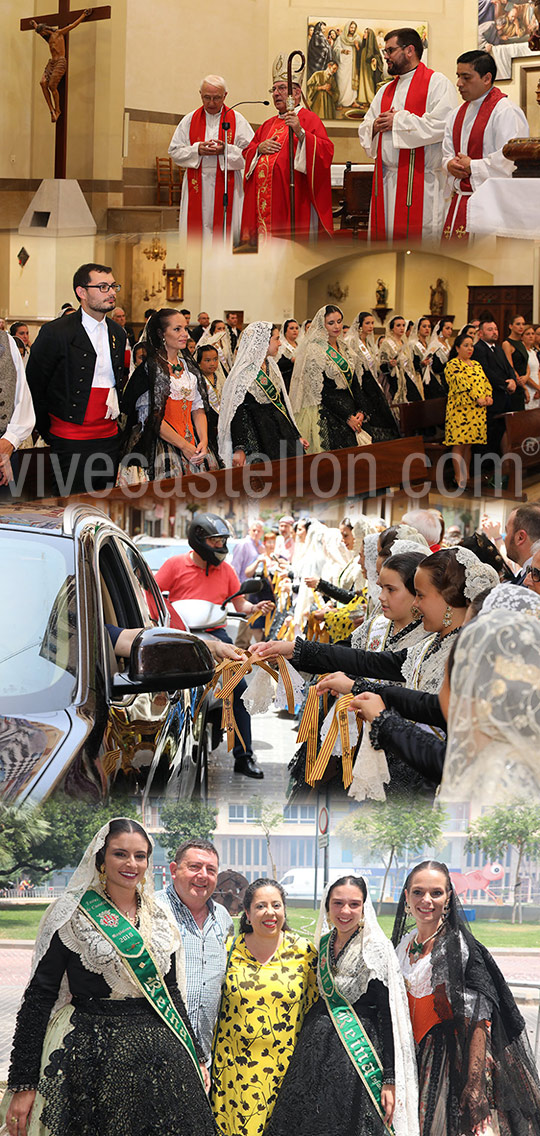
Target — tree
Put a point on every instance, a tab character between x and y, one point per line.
20	830
393	828
515	824
268	815
184	820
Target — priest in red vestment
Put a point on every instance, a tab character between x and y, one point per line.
267	209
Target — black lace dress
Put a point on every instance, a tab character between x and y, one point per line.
322	1093
337	405
260	428
114	1069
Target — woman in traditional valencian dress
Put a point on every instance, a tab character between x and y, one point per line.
255	416
166	402
445	584
438	349
380	421
419	339
353	1069
476	1072
469	393
326	396
288	344
121	1055
396	363
269	986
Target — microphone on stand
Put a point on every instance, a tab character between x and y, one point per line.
226	126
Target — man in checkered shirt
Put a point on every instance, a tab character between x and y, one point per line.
205	927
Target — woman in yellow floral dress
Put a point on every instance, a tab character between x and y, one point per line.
469	393
270	984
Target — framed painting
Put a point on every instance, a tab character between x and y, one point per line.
346	66
175	284
529	95
504	29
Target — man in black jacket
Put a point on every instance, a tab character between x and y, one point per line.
501	375
75	374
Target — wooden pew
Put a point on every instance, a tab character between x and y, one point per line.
341	473
523	434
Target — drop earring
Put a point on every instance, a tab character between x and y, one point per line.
448	616
103	877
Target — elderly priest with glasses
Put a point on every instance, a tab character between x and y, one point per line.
75	377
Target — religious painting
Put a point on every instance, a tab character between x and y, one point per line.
529	96
504	29
346	66
175	284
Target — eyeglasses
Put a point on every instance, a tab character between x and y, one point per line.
104	287
391	50
534	573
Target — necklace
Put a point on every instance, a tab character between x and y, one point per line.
439	642
416	948
134	919
395	636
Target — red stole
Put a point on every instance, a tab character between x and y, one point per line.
409	209
455	226
197	131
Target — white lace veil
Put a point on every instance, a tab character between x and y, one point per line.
311	361
371	543
86	875
512	597
373	953
353	336
494	715
221	341
478	576
251	354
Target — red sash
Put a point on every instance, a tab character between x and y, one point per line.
455	226
197	131
409	210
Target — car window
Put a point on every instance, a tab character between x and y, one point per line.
38	617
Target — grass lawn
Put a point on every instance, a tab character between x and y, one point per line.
22	923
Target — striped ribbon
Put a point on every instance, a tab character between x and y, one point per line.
316	763
230	674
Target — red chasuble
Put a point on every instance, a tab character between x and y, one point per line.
266	191
455	226
409	210
197	132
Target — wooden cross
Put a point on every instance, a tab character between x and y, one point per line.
59	19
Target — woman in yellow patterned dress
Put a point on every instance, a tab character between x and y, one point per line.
270	984
469	393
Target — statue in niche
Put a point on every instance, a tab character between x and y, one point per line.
437	302
381	293
57	65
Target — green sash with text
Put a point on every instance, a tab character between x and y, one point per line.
130	945
351	1031
343	365
267	386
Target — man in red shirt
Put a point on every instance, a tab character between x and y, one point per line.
202	574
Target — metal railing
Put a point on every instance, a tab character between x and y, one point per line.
32	893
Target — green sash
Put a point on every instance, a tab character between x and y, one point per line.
351	1031
265	382
137	958
342	363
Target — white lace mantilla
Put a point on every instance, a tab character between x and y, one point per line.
371	955
98	955
312	363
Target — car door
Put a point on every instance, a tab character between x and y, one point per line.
148	739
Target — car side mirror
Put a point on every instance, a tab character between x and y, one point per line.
248	588
165	659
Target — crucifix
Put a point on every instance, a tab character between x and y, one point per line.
54	90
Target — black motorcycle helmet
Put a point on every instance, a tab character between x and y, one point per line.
203	526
